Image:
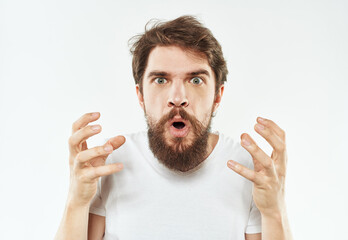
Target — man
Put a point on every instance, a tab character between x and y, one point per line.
176	180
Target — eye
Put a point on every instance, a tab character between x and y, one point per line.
160	80
196	80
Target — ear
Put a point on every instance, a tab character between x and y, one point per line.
218	97
140	96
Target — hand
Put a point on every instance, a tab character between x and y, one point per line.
269	173
87	165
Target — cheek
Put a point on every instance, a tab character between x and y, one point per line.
202	107
154	103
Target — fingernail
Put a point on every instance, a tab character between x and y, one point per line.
120	166
232	164
261	119
107	148
96	128
245	142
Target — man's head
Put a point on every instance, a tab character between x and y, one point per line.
185	32
179	72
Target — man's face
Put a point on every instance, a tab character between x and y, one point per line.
178	101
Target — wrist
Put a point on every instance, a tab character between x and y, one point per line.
73	203
275	215
276	211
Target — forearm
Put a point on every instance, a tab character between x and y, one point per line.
276	227
74	224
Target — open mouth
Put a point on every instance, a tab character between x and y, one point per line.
179	129
178	125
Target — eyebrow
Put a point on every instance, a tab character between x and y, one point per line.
165	74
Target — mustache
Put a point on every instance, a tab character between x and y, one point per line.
195	123
183	114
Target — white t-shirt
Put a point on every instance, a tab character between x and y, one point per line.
146	200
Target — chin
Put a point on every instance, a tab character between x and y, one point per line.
179	144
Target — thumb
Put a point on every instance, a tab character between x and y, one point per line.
117	142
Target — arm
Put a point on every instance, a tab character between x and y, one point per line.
253	236
74	222
86	167
276	226
268	179
96	227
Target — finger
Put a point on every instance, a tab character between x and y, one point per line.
87	155
84	120
273	126
105	170
257	154
271	137
243	171
82	135
117	141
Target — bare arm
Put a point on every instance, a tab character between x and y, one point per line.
276	226
268	179
96	227
74	223
86	167
253	236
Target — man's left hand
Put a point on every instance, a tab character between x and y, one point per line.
269	173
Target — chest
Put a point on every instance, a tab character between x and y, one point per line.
214	207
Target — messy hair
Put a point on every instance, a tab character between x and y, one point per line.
186	32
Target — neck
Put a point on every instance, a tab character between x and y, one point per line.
212	141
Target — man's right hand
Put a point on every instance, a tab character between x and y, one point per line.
87	165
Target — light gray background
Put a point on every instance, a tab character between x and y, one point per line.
61	59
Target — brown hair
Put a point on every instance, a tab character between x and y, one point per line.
185	31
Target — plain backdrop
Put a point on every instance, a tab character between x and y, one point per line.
287	61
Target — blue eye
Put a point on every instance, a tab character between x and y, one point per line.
196	80
160	80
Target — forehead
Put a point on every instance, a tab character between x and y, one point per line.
176	60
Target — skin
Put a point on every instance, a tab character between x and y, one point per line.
177	88
87	165
268	177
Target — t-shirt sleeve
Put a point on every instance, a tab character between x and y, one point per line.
254	222
97	204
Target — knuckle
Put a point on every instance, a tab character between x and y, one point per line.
253	176
266	122
71	141
257	150
75	125
268	164
284	135
92	172
84	175
78	157
252	147
281	147
99	151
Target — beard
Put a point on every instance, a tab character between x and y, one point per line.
178	155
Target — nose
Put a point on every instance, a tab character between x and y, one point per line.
177	96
